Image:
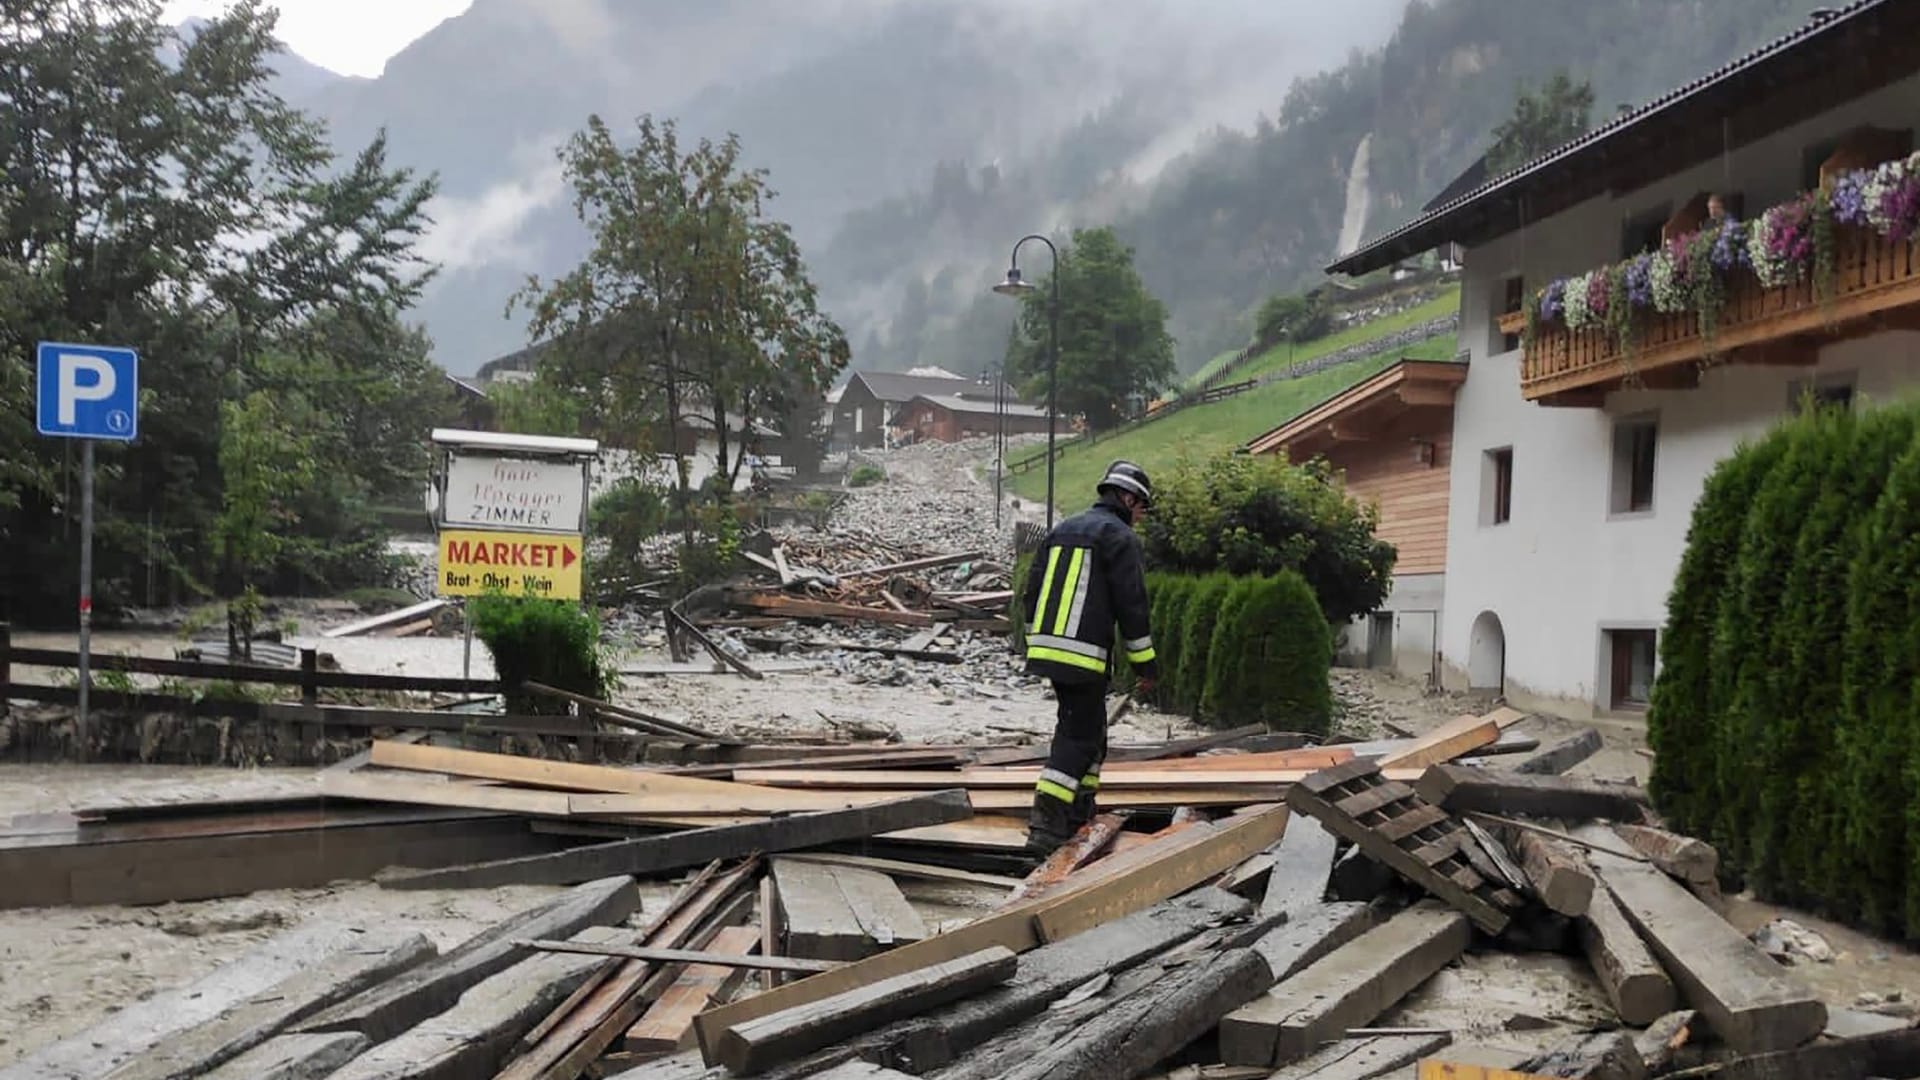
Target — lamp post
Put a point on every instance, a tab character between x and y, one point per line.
1015	285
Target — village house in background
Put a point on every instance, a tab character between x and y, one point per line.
1576	461
872	407
944	418
1391	439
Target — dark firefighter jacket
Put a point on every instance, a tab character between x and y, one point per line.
1087	576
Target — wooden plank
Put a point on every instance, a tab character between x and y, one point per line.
770	916
1021	779
133	1030
1302	860
543	773
1690	860
1750	1002
654	854
1307	936
1347	988
713	647
929	563
1460	788
1444	743
817	922
747	799
1420	817
1177	864
247	1024
1363	1058
901	869
1128	1036
1603	1055
293	1057
1091	842
1556	874
1307	759
412	792
475	1035
667	1024
883	914
683	956
383	1011
1557	757
933	758
753	1045
821	609
576	1040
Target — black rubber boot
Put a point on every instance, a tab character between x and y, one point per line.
1082	812
1048	826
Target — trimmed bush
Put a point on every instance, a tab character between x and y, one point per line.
547	641
1271	656
1786	714
1197	623
1170	615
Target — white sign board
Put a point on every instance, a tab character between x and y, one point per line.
515	494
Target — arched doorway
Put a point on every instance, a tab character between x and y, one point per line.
1487	654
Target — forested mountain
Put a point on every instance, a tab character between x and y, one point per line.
912	141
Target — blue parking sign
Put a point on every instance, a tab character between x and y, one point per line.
88	391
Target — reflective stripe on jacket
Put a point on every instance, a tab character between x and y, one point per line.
1087	576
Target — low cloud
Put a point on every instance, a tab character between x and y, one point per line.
486	229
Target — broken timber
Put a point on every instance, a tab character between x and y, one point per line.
1302	862
1460	788
1556	758
841	912
1556	874
1752	1003
1118	886
1306	937
1690	860
1091	842
752	1045
667	1024
293	1057
1634	981
1363	1058
238	1029
683	956
1391	822
1345	989
1605	1055
1444	743
383	1011
646	855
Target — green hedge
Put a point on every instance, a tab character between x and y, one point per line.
554	642
1786	718
1271	653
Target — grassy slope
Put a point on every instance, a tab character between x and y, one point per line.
1206	429
1444	304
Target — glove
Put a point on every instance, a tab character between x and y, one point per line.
1145	685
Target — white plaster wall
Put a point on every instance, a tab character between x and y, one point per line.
1563	568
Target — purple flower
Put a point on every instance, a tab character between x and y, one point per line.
1598	290
1848	201
1901	206
1640	281
1729	245
1552	300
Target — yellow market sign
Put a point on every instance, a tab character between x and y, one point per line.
519	564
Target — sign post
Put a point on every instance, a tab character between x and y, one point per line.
86	392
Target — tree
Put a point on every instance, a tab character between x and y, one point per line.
1541	122
1113	333
266	465
691	301
1292	317
160	195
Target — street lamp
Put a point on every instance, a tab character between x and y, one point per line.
1015	285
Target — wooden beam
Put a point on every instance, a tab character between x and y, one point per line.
380	1012
474	1036
329	979
1460	788
1017	779
1890	1054
901	869
693	847
840	913
1307	936
1752	1003
294	1057
1347	988
1172	866
1561	755
820	609
1636	984
1091	842
1556	874
1604	1055
1690	860
753	1045
1302	861
667	1024
1444	743
1363	1058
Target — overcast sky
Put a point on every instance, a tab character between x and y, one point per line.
352	37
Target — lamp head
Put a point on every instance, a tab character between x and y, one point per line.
1015	285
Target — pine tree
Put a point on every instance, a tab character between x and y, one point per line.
1196	637
1272	654
1220	701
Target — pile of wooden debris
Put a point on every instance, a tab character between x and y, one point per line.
1240	908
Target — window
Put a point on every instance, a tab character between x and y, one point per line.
859	421
1825	391
1630	655
1641	233
1496	487
1514	298
1633	454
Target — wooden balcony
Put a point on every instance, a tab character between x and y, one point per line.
1876	287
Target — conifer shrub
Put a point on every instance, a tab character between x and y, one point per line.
1197	623
1177	591
1272	652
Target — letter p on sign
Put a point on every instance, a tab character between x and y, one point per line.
88	391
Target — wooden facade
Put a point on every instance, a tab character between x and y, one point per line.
931	419
1391	437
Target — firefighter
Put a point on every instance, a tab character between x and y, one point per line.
1087	576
